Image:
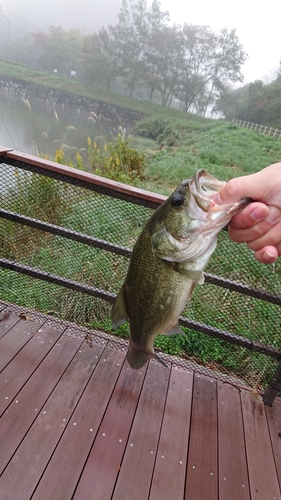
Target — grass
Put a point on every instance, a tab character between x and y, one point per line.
176	145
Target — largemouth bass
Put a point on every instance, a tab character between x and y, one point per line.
168	259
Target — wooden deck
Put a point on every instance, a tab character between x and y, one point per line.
77	422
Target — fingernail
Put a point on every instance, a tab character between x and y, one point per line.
268	256
259	213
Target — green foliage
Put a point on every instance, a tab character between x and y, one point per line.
117	160
34	196
159	129
255	103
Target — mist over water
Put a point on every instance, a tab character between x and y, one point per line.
45	129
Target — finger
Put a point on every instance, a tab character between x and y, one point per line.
267	255
260	186
270	238
250	231
250	215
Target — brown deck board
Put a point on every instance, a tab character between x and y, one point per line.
23	410
202	473
99	476
81	431
262	472
80	424
274	424
15	339
174	439
24	470
18	371
8	319
233	475
138	462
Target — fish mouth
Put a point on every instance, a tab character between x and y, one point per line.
203	188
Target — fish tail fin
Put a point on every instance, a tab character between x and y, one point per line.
136	358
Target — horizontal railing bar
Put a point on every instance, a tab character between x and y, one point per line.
83	179
249	344
244	289
56	280
126	252
65	233
110	297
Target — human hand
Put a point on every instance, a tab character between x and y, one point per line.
259	224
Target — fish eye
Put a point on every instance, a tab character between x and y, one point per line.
177	200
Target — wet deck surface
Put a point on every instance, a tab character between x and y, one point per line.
77	422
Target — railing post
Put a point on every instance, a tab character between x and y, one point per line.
273	388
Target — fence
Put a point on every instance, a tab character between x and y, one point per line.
65	239
264	129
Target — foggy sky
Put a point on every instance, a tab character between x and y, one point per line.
257	24
32	15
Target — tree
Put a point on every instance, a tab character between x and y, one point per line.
210	62
129	39
233	103
162	61
199	45
102	57
59	49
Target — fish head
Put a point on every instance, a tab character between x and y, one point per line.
188	222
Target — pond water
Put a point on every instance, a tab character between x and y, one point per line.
40	126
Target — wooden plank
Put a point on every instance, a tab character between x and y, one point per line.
7	320
273	414
30	459
3	150
23	410
65	467
202	468
16	338
137	466
99	476
16	373
262	472
169	474
233	471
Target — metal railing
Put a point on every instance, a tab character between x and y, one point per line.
18	252
263	129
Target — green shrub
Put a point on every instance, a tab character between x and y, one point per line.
158	129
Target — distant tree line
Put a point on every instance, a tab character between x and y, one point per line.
143	51
256	102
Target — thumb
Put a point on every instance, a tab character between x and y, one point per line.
262	186
237	189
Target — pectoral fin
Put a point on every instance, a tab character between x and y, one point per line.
118	312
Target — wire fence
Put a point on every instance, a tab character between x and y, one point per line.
264	129
66	237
